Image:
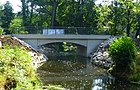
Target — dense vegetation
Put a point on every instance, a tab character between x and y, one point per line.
125	55
17	71
117	18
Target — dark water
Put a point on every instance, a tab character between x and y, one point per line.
80	74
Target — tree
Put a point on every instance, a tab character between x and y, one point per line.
119	17
60	13
49	7
16	27
0	13
81	15
116	19
7	16
136	10
24	12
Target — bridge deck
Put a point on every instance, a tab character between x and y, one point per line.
74	37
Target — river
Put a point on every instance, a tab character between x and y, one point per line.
79	74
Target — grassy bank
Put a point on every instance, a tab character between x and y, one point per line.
17	71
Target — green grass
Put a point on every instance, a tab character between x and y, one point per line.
17	71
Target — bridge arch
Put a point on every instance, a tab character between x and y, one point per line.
81	48
42	42
89	41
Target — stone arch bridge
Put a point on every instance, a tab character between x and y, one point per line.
85	43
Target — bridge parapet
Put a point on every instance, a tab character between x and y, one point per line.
82	37
59	30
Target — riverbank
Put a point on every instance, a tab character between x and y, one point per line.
37	58
17	71
18	65
102	59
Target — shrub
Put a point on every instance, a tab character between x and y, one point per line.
134	77
16	71
123	53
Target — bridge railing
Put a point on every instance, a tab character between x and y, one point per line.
57	30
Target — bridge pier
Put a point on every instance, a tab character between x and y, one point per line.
82	51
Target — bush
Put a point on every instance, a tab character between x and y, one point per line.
1	31
135	77
16	70
123	53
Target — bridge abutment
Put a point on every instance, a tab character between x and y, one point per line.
92	45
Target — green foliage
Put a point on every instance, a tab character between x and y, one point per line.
123	53
135	77
69	47
117	18
7	16
17	71
16	27
1	31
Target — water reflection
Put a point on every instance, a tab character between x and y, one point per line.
85	83
80	74
102	82
64	65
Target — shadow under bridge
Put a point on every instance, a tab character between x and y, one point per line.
57	46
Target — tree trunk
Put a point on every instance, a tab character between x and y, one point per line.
23	12
128	23
31	14
55	4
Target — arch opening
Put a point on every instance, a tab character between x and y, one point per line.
63	48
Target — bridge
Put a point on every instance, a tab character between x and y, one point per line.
85	43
